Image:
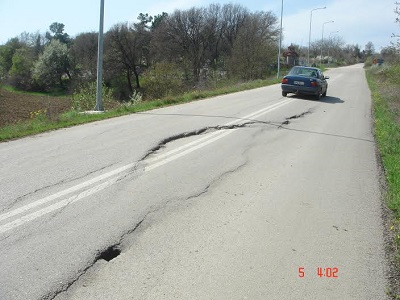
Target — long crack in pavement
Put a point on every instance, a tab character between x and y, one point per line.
201	131
114	250
287	121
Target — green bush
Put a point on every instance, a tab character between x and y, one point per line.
388	73
368	62
84	98
162	80
393	73
121	90
134	100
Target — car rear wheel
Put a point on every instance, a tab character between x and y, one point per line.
284	94
318	96
324	94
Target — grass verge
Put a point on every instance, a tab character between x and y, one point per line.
58	93
41	123
385	90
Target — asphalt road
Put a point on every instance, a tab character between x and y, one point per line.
244	196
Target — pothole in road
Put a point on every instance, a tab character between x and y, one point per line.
110	253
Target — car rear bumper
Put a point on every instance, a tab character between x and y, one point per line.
288	88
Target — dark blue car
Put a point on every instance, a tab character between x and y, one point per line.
305	81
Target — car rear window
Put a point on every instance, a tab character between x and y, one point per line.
303	72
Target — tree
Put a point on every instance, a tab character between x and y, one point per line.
84	55
157	20
184	35
20	72
397	36
52	65
369	49
57	33
7	52
357	52
233	18
145	19
334	47
397	11
127	51
350	54
255	46
390	54
33	41
199	38
17	57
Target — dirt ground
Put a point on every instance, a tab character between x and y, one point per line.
15	107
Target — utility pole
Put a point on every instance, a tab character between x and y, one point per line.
309	35
329	46
280	45
322	39
99	102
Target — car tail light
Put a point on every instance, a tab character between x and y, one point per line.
285	80
314	83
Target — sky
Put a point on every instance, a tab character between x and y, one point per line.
356	21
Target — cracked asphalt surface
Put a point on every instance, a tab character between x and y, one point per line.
224	198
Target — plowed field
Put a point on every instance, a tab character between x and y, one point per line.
15	107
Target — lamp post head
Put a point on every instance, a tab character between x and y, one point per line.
318	8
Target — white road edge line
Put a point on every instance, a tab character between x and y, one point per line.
64	192
200	143
55	206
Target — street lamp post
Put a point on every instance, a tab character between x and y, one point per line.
280	44
329	43
99	102
309	35
322	39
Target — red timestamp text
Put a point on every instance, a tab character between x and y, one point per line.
321	272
